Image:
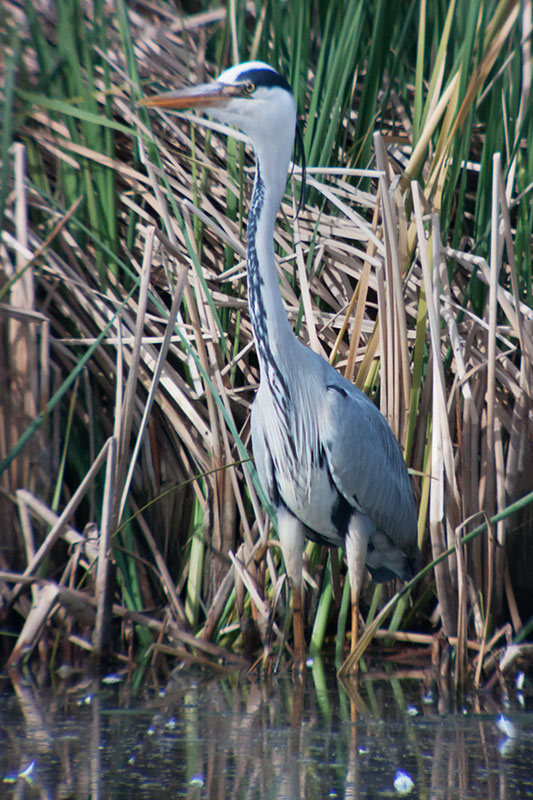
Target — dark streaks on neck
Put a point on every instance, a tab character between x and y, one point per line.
270	370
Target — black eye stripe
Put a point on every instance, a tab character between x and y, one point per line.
263	77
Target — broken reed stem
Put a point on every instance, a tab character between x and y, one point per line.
422	638
488	599
460	671
104	584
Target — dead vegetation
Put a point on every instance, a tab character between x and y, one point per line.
133	519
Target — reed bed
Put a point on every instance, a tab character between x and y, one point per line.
134	523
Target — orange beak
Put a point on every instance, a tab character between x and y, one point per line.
204	96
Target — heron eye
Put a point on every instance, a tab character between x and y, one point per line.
249	87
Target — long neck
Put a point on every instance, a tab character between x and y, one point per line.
271	327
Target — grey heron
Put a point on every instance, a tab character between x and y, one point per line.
326	456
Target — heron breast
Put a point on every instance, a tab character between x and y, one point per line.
304	486
291	457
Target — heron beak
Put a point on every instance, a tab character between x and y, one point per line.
206	95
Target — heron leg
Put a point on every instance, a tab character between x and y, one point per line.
292	538
355	622
356	547
298	625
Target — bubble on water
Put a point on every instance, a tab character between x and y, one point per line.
403	783
506	727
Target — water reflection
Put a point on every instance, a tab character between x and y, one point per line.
242	737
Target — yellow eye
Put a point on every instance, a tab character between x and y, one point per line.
248	88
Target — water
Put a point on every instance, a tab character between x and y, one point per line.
243	737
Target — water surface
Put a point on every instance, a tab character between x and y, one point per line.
248	737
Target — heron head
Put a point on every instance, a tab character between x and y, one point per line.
252	96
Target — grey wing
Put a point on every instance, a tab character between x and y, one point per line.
366	463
